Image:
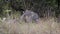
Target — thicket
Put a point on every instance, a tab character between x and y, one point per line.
44	8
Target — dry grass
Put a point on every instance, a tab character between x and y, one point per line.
45	26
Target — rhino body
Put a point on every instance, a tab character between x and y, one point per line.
29	16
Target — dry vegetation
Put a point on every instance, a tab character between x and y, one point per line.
45	26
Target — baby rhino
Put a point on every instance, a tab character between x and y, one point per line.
29	16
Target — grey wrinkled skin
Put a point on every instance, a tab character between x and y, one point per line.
29	16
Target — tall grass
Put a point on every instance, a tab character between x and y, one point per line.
45	26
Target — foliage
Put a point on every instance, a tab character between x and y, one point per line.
39	6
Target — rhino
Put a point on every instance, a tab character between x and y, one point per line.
29	16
